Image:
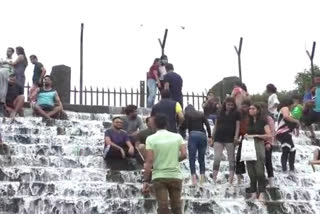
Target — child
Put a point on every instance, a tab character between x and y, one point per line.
297	111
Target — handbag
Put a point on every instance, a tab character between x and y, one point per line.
248	150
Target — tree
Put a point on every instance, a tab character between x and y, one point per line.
303	79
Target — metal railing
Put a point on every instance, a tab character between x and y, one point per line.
122	97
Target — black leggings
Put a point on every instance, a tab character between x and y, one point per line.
240	165
288	151
268	163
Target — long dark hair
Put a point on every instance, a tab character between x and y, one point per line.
191	112
287	102
229	100
20	51
261	115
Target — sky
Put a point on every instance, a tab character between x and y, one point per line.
121	39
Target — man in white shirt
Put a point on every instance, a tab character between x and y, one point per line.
5	70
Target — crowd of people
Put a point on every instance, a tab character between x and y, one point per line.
43	98
231	125
162	145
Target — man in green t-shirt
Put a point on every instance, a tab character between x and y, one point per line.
164	151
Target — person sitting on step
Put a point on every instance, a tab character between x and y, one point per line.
48	101
15	98
132	123
143	134
316	159
117	143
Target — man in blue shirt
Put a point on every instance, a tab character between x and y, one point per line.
313	116
48	101
117	143
173	82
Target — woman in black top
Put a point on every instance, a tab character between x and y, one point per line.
259	130
225	133
194	121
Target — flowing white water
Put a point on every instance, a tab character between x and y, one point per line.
59	169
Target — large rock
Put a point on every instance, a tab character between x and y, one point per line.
61	76
224	86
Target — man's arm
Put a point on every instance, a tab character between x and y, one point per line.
148	165
179	113
183	152
108	141
58	101
43	72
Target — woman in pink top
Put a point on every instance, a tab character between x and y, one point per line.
239	93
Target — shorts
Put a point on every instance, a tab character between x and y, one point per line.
46	108
286	141
311	117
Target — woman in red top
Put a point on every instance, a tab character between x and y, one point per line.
152	82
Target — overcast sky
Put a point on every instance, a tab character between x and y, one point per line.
121	39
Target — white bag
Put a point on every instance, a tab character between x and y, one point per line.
248	150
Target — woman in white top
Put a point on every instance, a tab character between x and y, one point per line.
273	101
5	70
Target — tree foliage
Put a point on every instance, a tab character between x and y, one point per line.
303	80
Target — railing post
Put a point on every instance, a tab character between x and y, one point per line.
142	93
131	96
120	95
114	97
91	95
102	96
126	95
85	95
75	96
97	96
137	97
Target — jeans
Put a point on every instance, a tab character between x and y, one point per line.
152	89
197	143
256	169
162	187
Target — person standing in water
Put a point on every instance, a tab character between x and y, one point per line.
286	124
273	101
259	130
240	165
20	65
197	142
225	134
